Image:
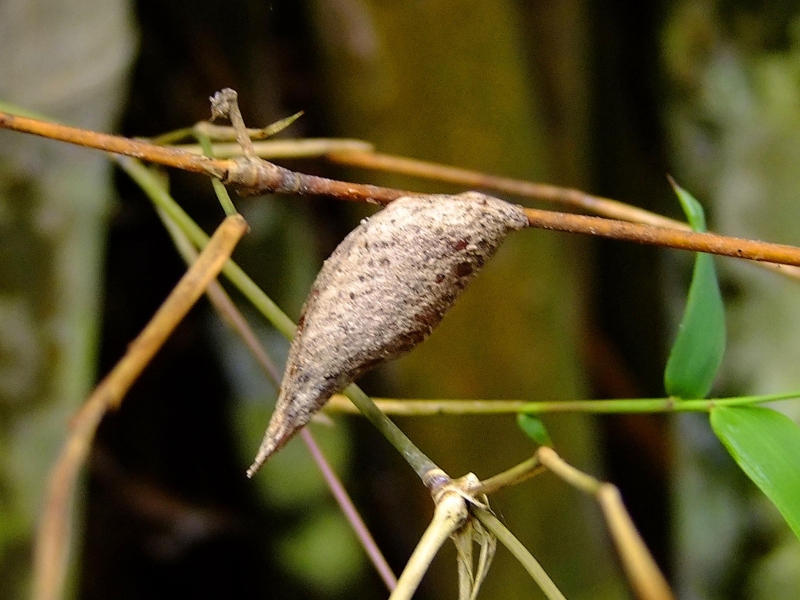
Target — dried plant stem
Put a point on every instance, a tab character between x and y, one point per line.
340	403
161	155
520	552
367	158
449	515
642	571
275	149
228	311
573	198
52	540
662	236
256	176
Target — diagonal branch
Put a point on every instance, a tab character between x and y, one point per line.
643	572
366	158
256	176
52	538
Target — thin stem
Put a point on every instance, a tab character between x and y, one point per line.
223	133
116	144
576	478
662	236
369	159
172	137
275	149
417	408
519	552
350	511
644	574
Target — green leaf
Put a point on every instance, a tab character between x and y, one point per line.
691	207
700	344
534	429
766	445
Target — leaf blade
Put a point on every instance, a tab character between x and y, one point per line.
766	446
534	428
699	346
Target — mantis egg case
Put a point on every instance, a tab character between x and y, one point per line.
382	291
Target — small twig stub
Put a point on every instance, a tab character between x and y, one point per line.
382	291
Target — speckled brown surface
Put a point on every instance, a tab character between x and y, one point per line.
382	291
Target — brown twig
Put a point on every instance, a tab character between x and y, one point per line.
367	158
662	236
52	540
162	155
642	570
255	176
597	205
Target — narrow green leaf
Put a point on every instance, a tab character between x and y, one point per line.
691	207
534	429
766	445
700	344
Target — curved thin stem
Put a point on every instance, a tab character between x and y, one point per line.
276	149
350	511
513	476
614	209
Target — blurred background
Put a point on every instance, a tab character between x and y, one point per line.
607	96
